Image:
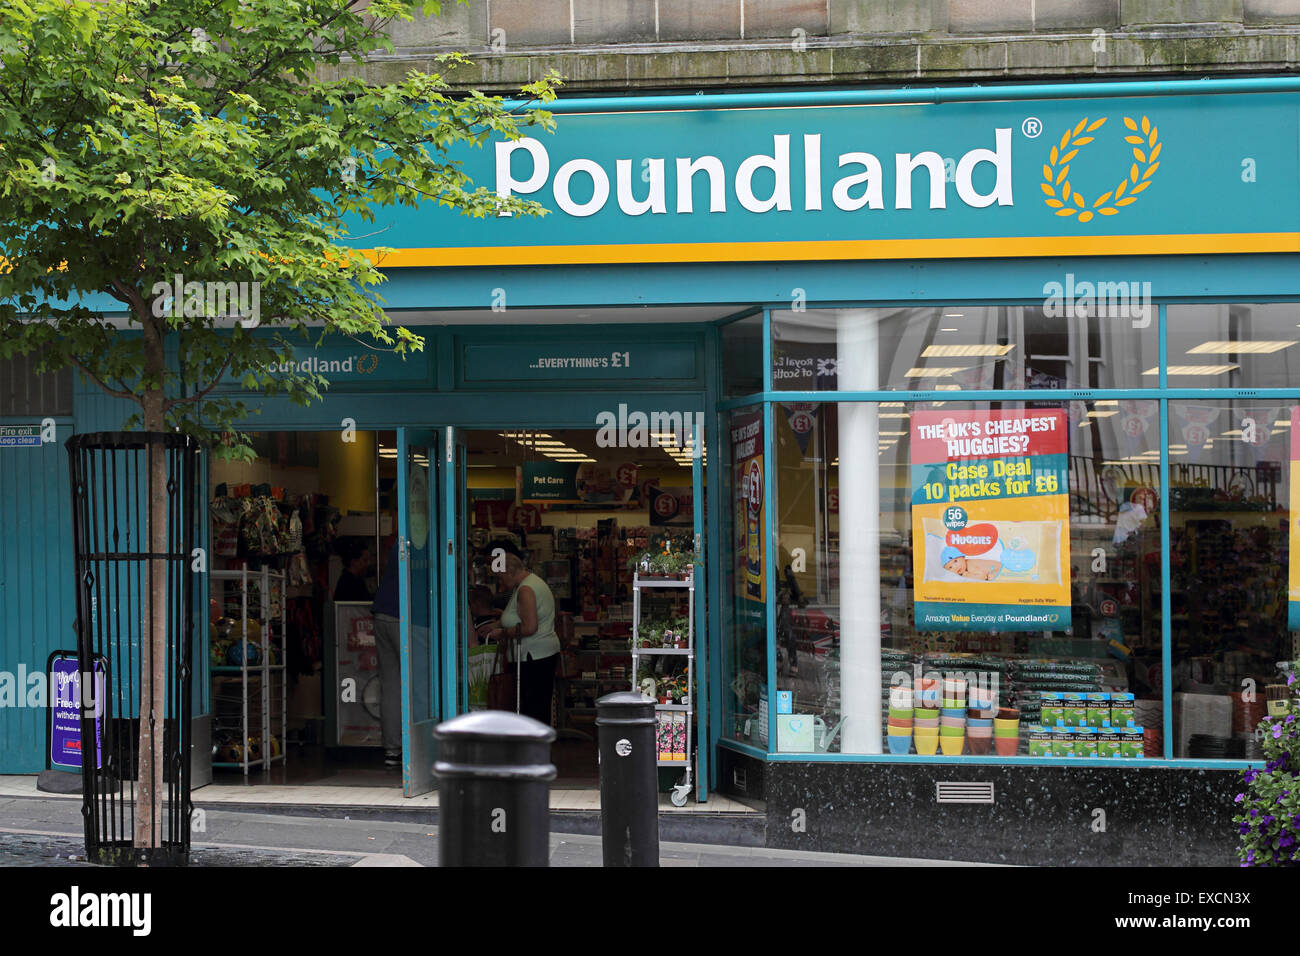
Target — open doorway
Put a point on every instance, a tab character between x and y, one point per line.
578	513
299	540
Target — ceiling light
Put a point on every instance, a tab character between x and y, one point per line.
894	415
1106	401
936	371
891	404
954	315
948	330
1195	370
1226	346
892	433
1282	423
952	351
1103	414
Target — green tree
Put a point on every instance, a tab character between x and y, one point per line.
206	140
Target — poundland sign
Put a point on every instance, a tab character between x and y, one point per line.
1105	176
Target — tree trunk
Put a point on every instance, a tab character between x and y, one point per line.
153	644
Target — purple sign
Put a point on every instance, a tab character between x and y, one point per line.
65	712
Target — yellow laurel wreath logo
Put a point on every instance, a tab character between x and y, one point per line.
1056	172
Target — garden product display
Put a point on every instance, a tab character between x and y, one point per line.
1108	742
1052	709
1040	741
1085	741
1098	710
1063	742
1131	742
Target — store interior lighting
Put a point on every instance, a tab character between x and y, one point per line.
936	371
1195	370
1227	346
962	351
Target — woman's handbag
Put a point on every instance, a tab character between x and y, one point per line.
502	694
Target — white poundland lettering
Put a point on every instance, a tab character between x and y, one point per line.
862	186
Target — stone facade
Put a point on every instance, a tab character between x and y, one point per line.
617	46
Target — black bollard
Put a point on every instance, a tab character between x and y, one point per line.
629	780
494	772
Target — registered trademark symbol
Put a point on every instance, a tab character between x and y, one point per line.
1032	127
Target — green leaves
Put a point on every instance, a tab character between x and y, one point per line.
143	141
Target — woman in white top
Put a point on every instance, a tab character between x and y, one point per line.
528	628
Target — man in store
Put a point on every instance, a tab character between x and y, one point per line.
351	585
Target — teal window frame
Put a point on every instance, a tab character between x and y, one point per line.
1161	393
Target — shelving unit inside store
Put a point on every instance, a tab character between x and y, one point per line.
674	717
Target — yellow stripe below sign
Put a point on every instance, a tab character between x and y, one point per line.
843	249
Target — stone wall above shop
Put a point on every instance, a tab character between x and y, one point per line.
620	45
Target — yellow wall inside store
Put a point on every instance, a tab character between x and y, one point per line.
347	471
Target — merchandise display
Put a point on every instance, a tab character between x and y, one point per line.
246	655
668	639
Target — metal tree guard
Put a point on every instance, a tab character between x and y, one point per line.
112	495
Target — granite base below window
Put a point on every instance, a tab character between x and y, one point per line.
1041	816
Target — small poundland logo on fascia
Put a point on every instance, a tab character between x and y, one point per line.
75	909
624	429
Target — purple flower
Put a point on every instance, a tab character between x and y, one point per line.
1277	731
1240	797
1251	775
1267	819
1254	813
1291	719
1250	857
1285	840
1245	828
1290	679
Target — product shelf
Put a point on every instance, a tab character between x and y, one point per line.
669	711
258	712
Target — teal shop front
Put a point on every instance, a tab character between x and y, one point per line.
827	273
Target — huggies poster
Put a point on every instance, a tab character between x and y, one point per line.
1293	572
991	520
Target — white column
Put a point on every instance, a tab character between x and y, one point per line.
858	350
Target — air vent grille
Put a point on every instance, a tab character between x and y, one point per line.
949	791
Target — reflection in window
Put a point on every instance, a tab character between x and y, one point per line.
1232	346
1229	500
964	348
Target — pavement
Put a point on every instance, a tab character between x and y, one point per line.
46	831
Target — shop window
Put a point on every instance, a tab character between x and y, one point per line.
1232	346
965	348
1023	559
745	596
742	356
1231	555
24	392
